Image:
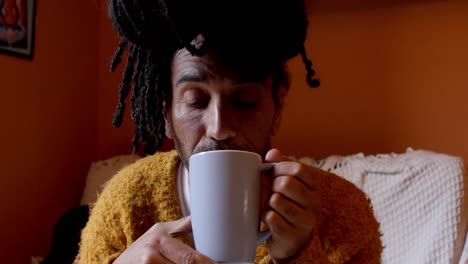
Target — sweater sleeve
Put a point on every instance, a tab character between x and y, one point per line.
347	232
348	227
134	199
370	254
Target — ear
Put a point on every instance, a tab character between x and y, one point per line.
167	121
277	115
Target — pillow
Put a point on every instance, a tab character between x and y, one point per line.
100	172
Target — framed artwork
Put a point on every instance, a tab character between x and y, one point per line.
17	23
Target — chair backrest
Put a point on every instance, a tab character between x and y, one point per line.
100	172
419	197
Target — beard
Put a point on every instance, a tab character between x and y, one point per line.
211	145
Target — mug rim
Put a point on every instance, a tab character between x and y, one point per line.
225	150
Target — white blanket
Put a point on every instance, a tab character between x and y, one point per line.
420	199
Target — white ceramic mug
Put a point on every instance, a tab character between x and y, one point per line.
225	203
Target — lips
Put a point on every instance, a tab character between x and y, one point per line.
218	145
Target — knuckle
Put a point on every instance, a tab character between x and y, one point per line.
270	218
289	213
285	184
190	258
297	168
146	257
275	200
157	227
161	242
157	242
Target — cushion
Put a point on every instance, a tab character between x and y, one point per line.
100	172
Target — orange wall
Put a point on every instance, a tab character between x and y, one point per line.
394	75
48	127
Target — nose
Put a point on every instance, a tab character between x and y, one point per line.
220	122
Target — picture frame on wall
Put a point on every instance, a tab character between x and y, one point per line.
17	26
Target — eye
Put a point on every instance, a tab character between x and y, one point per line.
197	104
247	98
196	99
245	103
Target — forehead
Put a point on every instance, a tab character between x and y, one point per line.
186	63
215	65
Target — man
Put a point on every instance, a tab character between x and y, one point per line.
211	75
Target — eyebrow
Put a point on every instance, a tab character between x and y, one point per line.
191	77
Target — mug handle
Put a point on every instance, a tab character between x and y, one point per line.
262	236
267	166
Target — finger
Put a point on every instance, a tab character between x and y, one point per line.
181	226
274	155
149	256
293	189
306	174
296	191
280	229
282	235
173	228
154	257
178	252
143	250
293	214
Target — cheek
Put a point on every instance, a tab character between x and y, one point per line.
265	115
187	125
257	125
182	114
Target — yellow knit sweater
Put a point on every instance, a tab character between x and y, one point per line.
144	193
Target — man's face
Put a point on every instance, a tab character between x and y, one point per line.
212	108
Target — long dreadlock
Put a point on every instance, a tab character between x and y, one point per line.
152	31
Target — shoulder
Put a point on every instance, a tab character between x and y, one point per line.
347	223
160	163
146	185
144	174
130	203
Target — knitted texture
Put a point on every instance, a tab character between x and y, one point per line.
144	193
419	198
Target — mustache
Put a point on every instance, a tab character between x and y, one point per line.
218	145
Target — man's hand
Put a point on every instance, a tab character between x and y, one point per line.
293	208
158	245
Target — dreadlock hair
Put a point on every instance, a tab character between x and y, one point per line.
261	34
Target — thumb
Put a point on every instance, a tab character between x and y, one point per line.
273	155
181	226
